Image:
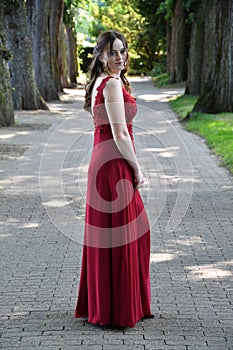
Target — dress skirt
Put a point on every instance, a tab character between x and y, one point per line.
115	278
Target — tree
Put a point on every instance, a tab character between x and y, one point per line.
218	91
25	92
123	16
176	12
69	59
71	53
202	47
6	103
152	37
45	21
178	56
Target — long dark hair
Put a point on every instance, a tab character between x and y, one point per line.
96	67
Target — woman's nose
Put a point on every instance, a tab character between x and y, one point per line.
119	55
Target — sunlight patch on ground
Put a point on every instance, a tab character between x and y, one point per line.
189	242
3	235
160	257
210	271
29	225
162	95
152	97
6	137
151	132
58	203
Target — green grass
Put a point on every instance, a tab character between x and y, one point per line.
216	129
183	105
161	80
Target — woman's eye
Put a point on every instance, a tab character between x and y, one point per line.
113	53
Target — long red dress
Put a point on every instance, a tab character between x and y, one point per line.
115	279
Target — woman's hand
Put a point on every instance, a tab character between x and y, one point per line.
138	179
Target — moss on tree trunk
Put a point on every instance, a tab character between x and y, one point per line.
6	103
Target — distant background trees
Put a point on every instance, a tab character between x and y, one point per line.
45	45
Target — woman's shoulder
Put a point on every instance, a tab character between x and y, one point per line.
109	80
102	82
112	83
113	88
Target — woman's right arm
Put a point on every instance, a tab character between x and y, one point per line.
114	103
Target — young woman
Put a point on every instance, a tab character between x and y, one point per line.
115	280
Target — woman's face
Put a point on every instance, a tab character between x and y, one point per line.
114	60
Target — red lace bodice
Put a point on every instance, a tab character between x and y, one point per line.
100	114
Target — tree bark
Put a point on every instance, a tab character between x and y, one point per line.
201	52
25	92
72	54
6	102
45	20
68	57
178	57
55	30
218	91
168	44
63	59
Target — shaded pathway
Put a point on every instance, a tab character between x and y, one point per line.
189	199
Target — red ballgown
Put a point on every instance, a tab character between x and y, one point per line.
115	279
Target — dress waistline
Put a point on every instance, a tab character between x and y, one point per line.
106	128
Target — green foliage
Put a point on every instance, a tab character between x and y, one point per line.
188	4
122	16
166	7
183	105
216	129
144	30
70	11
160	67
76	15
143	22
125	17
152	38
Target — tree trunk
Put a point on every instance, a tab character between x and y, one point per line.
72	55
6	103
202	46
178	63
168	44
218	91
63	59
45	19
25	92
68	57
55	30
196	49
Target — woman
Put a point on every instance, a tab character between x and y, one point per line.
115	283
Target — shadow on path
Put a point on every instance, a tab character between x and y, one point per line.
189	199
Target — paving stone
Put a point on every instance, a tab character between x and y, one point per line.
191	263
